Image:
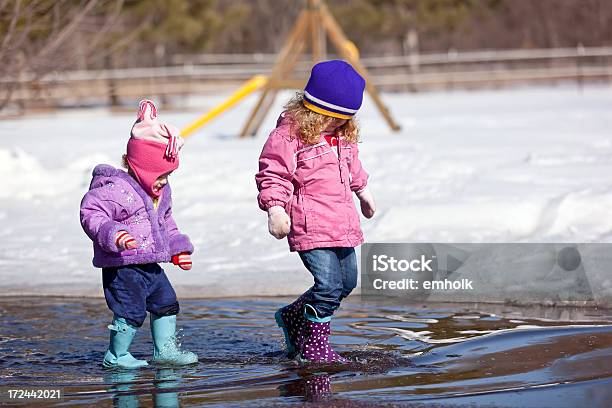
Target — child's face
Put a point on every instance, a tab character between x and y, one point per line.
334	124
161	182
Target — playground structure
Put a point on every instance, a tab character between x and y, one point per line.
252	85
314	24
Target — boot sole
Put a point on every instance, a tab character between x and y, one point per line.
280	323
174	362
108	365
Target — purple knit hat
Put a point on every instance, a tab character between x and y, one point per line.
334	89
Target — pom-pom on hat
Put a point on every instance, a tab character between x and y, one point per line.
153	147
334	89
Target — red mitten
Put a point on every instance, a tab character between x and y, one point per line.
183	260
125	241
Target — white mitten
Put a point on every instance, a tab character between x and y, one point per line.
366	199
278	222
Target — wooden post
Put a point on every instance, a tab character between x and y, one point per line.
411	47
111	83
317	34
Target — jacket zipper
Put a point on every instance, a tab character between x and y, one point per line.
348	219
339	160
342	175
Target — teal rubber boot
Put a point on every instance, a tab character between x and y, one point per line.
121	336
166	349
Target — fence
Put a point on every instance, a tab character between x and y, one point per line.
200	74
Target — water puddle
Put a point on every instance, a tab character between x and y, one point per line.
414	355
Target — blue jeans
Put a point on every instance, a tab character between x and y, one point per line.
335	276
133	290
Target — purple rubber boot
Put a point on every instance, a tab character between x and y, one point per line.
314	345
291	319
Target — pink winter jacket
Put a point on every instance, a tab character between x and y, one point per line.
314	185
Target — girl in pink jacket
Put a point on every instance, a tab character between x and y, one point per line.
309	169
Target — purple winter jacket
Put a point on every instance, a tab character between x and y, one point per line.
115	201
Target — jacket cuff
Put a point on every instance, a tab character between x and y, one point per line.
180	243
362	189
107	235
273	203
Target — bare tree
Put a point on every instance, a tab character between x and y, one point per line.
40	36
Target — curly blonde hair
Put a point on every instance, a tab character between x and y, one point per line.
311	124
124	162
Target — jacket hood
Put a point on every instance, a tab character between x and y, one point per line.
102	175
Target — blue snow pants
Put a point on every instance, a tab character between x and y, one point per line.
133	290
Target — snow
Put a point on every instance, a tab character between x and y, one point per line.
515	165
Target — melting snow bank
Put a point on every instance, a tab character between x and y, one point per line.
524	165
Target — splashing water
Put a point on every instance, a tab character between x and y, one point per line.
172	354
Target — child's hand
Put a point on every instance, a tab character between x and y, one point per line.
125	241
366	199
278	222
183	260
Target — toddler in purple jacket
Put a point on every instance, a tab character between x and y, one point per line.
128	216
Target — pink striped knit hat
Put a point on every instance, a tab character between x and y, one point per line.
153	147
